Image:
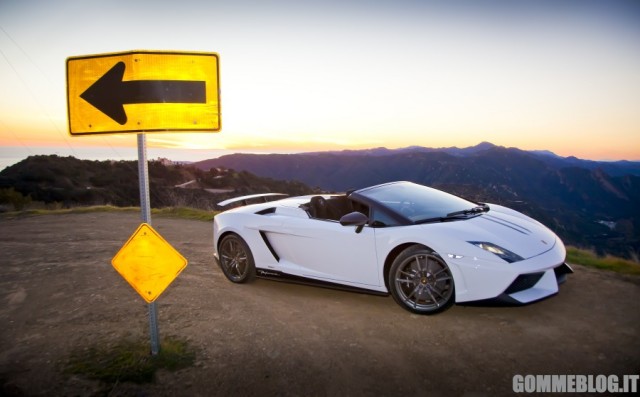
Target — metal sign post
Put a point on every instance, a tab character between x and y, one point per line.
145	208
162	91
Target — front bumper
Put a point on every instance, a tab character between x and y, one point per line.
527	288
532	279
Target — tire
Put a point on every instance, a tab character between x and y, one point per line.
421	282
236	260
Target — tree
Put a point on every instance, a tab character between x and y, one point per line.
10	196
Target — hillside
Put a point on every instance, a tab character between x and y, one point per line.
589	204
67	181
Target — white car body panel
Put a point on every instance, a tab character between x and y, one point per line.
305	243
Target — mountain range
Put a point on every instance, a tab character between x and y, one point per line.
303	166
588	203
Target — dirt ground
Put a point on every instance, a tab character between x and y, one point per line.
59	292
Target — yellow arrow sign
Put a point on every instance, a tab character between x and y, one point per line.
148	262
143	91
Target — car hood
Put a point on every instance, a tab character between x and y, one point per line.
505	227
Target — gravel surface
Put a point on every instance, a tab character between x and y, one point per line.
59	292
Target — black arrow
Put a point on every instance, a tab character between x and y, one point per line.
109	93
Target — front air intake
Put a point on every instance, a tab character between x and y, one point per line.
523	282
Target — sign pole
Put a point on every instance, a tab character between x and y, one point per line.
183	95
145	208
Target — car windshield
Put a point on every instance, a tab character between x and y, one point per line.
421	203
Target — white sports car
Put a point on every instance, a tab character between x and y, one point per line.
425	247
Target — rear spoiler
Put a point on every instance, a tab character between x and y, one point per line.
245	199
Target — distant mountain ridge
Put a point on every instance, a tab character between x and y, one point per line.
577	198
300	166
382	151
614	168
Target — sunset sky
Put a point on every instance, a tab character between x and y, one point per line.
346	74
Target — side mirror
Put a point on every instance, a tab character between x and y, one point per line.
355	219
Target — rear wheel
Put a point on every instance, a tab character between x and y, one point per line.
421	282
236	260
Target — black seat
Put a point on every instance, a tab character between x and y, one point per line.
338	207
318	207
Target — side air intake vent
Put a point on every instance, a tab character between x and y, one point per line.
269	246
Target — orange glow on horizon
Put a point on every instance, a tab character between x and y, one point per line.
600	150
592	144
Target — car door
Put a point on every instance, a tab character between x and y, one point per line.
326	250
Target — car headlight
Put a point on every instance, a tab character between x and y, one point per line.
502	253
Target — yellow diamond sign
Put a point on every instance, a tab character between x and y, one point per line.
143	91
148	262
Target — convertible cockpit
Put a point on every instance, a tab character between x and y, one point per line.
330	208
333	207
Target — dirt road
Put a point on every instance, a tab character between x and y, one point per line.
59	292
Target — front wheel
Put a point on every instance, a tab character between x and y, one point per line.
421	282
236	260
